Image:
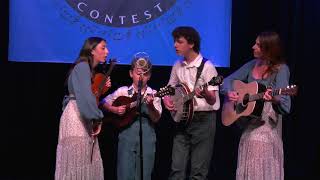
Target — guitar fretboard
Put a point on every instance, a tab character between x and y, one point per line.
258	96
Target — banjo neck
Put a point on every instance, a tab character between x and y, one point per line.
190	95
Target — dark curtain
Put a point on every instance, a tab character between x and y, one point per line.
298	22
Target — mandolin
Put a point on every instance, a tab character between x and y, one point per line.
123	121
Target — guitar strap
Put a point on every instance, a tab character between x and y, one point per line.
199	70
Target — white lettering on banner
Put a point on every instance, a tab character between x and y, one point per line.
94	12
81	3
109	19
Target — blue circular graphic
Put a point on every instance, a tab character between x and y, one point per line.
121	13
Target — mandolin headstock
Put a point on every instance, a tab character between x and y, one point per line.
164	91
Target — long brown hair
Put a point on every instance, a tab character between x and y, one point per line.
85	54
272	49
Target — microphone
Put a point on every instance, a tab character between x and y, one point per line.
140	86
142	63
139	90
140	83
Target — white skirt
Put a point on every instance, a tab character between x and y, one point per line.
260	154
75	157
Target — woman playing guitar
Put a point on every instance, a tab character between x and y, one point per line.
260	149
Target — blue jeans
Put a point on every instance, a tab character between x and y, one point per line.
194	143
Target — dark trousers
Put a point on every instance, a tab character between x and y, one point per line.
194	143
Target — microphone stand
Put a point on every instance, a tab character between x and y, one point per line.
139	97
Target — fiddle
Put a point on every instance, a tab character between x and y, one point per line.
99	80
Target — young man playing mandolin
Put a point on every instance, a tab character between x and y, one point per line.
194	141
128	166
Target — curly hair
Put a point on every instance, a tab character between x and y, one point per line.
190	34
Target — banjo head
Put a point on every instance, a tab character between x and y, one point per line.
183	106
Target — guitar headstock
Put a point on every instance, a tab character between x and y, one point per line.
291	90
167	90
216	80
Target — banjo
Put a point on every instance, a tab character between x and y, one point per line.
183	99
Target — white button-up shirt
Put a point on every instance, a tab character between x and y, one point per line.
182	72
129	91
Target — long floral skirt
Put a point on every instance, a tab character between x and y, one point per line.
260	154
77	156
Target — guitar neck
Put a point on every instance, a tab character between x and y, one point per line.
258	96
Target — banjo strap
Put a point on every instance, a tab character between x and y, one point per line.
199	70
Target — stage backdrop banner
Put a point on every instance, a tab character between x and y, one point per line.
54	30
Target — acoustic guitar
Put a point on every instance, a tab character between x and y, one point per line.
183	100
123	121
250	102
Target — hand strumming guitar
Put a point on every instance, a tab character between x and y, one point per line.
233	96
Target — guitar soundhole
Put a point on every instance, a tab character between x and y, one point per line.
240	107
245	100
